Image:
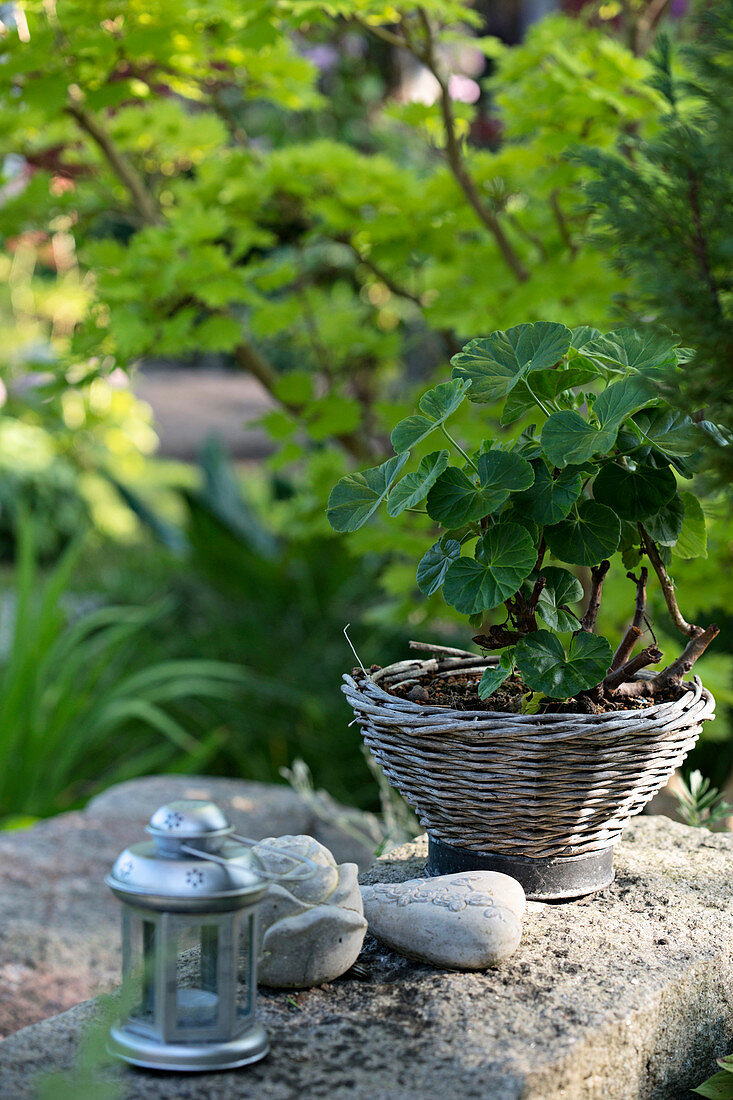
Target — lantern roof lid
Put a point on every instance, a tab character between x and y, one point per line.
189	818
191	864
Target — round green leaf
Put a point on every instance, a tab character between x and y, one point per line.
637	349
545	667
634	494
414	487
620	400
692	541
568	439
505	557
550	499
455	499
434	565
586	536
502	473
356	497
492	679
436	406
496	363
666	524
562	589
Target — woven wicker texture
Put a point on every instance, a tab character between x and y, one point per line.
538	785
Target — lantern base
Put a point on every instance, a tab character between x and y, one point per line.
188	1057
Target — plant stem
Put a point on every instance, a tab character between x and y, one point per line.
634	631
665	581
458	447
692	651
143	200
598	572
536	399
649	656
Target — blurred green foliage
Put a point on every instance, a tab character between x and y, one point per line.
187	155
663	205
84	698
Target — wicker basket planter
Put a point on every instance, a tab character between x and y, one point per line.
544	797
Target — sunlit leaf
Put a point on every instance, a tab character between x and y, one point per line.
496	363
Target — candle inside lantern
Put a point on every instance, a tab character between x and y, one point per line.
196	1008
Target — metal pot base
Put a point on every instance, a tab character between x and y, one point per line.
553	879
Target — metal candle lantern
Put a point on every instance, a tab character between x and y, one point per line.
189	942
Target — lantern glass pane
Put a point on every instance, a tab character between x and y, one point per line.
138	964
197	992
245	966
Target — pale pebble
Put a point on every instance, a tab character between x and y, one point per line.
465	921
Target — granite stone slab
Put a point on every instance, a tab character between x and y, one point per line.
621	996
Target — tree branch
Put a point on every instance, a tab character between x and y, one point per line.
143	200
249	359
454	155
562	225
598	572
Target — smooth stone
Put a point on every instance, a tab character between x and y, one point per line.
311	924
466	921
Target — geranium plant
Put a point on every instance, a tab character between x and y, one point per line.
589	464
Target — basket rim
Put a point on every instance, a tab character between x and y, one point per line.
374	694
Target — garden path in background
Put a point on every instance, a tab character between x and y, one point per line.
60	940
190	404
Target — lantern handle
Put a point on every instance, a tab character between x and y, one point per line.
269	876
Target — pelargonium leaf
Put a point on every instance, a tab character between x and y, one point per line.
455	499
587	536
434	565
692	541
621	400
634	494
545	667
547	385
641	350
436	406
562	588
504	472
666	524
356	497
496	363
567	439
505	557
415	486
550	499
493	678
